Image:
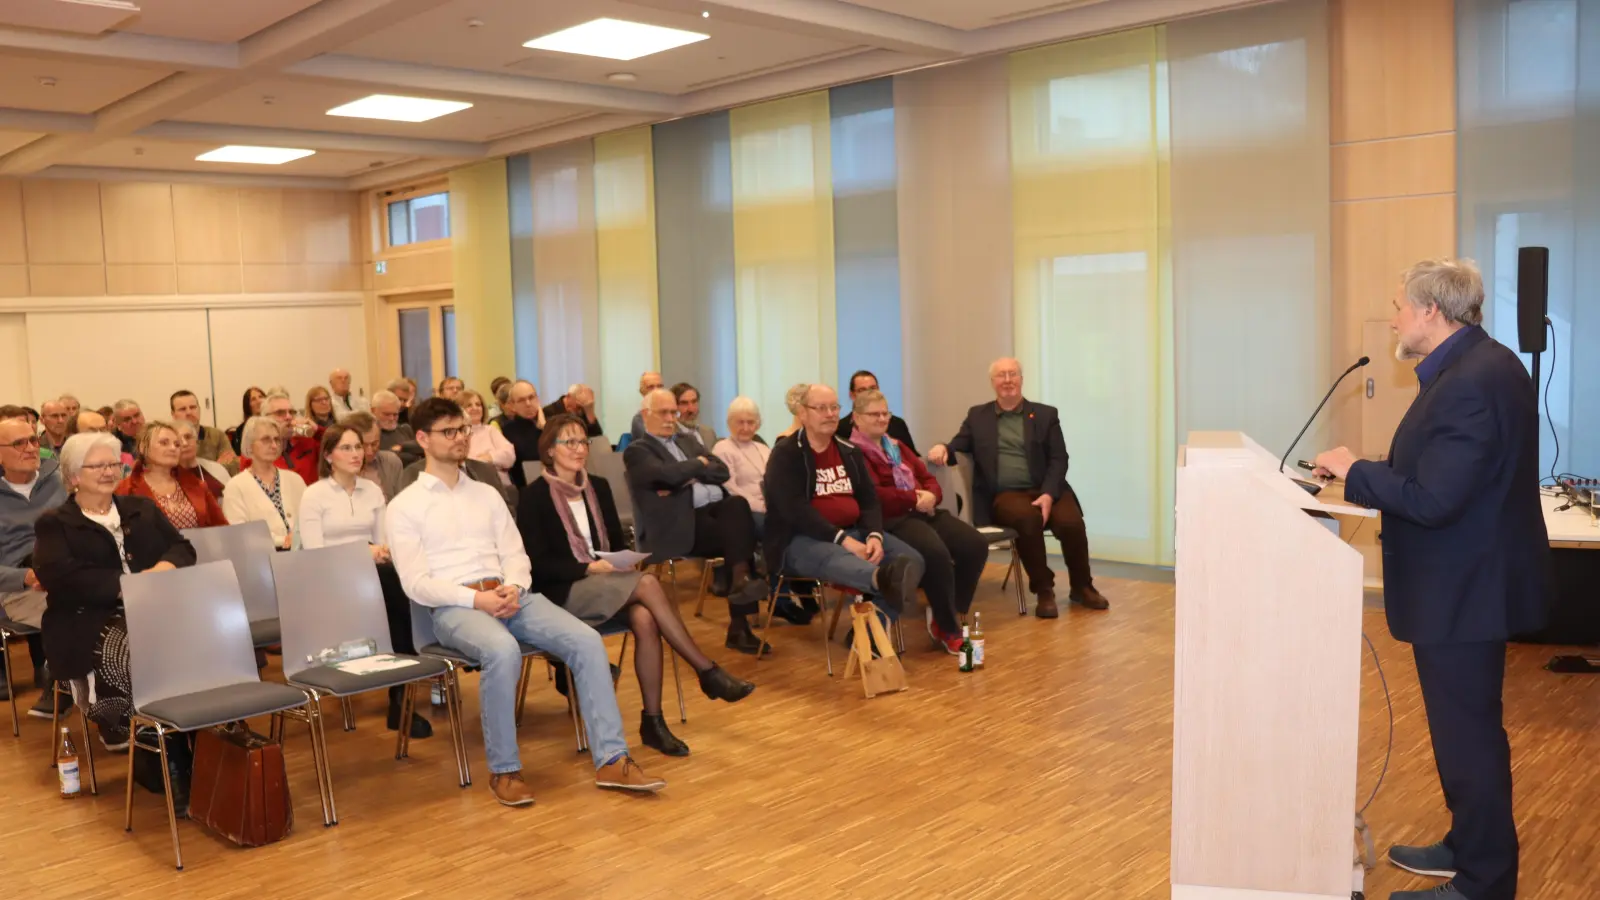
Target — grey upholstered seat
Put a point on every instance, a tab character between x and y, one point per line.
955	483
202	709
338	683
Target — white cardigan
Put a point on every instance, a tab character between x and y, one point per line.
243	500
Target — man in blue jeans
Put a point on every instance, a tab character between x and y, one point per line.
823	519
458	552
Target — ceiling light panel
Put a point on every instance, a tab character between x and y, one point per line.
398	109
615	39
261	156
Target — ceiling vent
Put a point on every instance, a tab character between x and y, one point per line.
90	17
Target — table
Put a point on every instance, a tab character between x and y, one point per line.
1575	615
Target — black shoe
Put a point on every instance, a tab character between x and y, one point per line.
558	671
653	732
722	581
42	708
741	638
896	584
5	689
420	727
793	613
719	685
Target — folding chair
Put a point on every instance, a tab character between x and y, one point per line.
192	665
955	484
333	595
250	549
11	629
531	470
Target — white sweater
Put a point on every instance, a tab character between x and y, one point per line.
243	500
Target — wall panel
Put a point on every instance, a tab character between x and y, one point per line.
480	237
206	223
138	221
63	222
565	268
67	280
141	279
13	237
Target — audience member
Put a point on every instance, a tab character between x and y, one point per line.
85	632
250	406
179	493
404	391
451	388
953	552
682	510
745	456
866	381
29	486
689	415
344	508
319	408
524	426
189	459
568	519
300	444
91	422
502	396
1020	482
458	553
344	401
649	381
72	405
106	412
396	435
22	414
379	466
263	491
128	419
488	443
211	443
475	469
794	400
577	401
53	415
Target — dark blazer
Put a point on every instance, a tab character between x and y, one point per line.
78	567
664	525
555	569
791	483
524	437
1465	553
1045	445
401	440
897	430
559	408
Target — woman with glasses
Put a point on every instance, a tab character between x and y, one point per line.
82	549
265	492
488	444
568	519
159	475
319	407
344	508
250	406
189	459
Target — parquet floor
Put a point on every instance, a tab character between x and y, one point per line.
1048	775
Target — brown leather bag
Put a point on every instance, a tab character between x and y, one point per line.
240	789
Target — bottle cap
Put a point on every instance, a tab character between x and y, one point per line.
965	632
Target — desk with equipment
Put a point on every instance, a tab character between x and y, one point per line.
1573	522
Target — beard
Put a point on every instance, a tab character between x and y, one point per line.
1403	353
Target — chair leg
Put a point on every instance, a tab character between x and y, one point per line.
766	626
88	750
166	786
402	737
1016	567
522	687
452	694
622	656
455	735
677	682
133	747
319	750
11	684
706	571
827	639
55	726
349	712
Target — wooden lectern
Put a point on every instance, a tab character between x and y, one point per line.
1266	700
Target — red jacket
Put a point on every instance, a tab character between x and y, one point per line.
206	509
300	457
896	502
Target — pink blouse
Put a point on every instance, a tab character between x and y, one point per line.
489	444
747	464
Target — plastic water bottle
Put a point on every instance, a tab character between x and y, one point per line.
346	651
977	640
67	768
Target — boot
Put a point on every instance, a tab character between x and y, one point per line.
717	684
741	638
653	732
420	727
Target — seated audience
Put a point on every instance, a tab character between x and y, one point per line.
649	381
344	508
72	405
344	402
80	570
794	400
689	415
300	445
502	395
1020	482
451	388
250	406
396	436
459	554
189	459
523	426
567	518
263	491
823	516
379	466
953	552
488	443
404	390
91	422
211	443
29	486
497	392
319	408
577	401
128	420
866	381
681	509
22	414
745	456
179	493
106	413
475	469
53	415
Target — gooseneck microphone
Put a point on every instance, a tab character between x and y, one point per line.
1358	364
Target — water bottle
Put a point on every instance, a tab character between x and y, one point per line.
348	650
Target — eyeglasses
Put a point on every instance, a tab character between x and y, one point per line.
26	443
667	413
451	434
100	467
874	415
573	443
826	409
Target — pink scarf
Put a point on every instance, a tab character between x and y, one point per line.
886	450
563	494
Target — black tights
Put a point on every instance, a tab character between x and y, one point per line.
652	617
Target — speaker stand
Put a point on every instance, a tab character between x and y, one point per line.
1536	390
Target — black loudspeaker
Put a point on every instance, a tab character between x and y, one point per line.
1533	295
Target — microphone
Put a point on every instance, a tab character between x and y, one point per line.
1358	364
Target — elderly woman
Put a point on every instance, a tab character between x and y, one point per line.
82	549
488	444
745	455
319	407
795	400
159	475
954	552
209	471
249	406
568	519
265	492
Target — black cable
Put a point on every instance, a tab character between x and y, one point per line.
1548	379
1389	701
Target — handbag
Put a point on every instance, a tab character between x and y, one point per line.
240	789
180	766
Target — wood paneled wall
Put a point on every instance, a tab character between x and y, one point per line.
85	239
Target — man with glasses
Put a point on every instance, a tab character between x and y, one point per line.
301	448
128	419
681	509
53	416
210	443
459	554
577	401
1020	482
29	486
523	427
395	433
866	381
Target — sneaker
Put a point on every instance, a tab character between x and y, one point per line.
1434	860
1445	890
113	743
510	789
623	774
42	708
950	642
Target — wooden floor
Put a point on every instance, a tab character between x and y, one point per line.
1048	775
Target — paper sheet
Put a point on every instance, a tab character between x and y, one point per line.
367	665
624	560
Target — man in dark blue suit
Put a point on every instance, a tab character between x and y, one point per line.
1465	560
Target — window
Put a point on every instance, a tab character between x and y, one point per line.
447	323
416	350
418	219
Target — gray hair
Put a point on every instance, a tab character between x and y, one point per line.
277	393
996	364
867	398
252	430
183	426
122	406
77	448
644	402
743	406
795	398
398	383
1453	285
385	397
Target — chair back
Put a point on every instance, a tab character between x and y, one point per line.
249	547
610	467
327	597
422	626
600	446
956	490
531	471
187	632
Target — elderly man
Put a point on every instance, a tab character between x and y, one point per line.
1466	559
404	390
210	443
450	388
72	405
128	419
681	509
344	402
1020	482
649	381
396	435
53	416
866	381
823	517
28	486
577	401
522	427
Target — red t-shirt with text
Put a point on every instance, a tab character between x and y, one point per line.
835	497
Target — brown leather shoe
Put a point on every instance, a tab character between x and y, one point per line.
625	775
510	789
1089	598
1046	607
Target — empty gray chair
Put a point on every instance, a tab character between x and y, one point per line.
192	665
249	547
332	595
531	470
609	466
955	484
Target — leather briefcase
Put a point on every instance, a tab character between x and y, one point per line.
240	789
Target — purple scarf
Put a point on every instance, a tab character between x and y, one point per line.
563	494
886	451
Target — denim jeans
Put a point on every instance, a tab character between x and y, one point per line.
808	557
493	644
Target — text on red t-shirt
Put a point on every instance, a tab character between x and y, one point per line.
835	496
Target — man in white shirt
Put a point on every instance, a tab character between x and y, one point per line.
344	402
458	552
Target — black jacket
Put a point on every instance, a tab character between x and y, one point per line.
401	440
555	569
524	437
664	526
791	483
1466	556
559	408
897	430
1044	443
78	567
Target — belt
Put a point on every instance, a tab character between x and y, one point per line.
487	584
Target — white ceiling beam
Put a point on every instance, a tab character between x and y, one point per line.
574	130
39	120
823	75
174	53
255	136
1096	18
100	173
324	27
834	20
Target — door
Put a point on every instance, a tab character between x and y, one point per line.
421	339
103	357
1388	387
288	347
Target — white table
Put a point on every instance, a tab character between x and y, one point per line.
1574	529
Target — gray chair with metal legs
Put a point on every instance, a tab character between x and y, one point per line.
192	665
609	466
531	471
249	547
327	597
10	629
955	482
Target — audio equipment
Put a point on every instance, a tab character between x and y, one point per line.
1533	298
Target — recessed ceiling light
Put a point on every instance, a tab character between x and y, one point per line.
265	156
615	39
623	77
705	14
47	81
398	109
